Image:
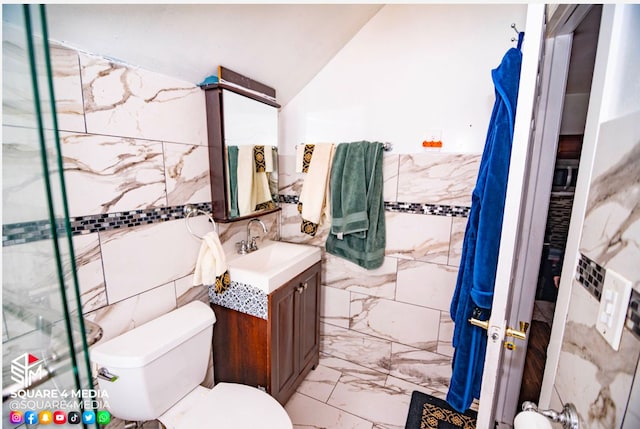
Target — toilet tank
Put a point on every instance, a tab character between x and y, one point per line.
157	363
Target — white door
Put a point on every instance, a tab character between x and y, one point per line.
513	212
497	392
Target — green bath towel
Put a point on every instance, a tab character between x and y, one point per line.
358	231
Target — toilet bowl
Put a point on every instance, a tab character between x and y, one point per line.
154	371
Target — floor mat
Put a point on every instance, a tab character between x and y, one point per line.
428	412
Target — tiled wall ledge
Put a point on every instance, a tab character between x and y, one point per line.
26	232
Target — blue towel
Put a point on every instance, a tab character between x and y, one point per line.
474	288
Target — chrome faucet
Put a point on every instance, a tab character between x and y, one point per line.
249	245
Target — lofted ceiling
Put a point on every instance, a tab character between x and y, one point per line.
283	45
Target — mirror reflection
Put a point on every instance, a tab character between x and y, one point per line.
251	142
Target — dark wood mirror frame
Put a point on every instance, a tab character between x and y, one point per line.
216	140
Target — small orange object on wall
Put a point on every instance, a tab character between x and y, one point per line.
436	143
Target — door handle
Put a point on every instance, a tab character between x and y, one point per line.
518	334
484	324
509	332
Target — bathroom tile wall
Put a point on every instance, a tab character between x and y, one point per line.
395	319
593	376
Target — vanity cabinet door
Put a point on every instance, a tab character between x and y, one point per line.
309	307
284	334
295	332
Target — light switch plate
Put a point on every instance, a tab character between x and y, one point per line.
614	301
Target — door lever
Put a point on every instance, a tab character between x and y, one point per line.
519	334
484	324
509	332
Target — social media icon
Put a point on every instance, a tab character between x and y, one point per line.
30	417
73	418
88	417
45	417
59	417
103	417
16	417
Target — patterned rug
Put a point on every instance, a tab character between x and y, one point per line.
428	412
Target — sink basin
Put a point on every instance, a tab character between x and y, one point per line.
273	264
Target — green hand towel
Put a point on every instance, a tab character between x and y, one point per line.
358	231
232	154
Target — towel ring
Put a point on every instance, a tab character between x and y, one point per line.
191	210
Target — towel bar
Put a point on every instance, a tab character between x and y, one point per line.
190	210
387	146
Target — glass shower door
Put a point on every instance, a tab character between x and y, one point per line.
43	332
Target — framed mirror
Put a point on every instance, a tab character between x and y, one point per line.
242	123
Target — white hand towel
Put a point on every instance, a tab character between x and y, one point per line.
315	189
261	192
211	265
269	154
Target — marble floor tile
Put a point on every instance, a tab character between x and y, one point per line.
374	353
384	404
306	412
340	393
320	383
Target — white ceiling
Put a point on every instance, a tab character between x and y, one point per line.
283	46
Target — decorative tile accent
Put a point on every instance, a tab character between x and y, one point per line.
427	209
25	232
402	207
288	199
633	314
243	298
590	275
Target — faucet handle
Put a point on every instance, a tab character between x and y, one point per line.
242	247
252	244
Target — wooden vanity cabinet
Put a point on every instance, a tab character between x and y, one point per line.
274	354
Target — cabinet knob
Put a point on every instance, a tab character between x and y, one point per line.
302	287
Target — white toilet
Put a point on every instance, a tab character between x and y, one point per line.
159	367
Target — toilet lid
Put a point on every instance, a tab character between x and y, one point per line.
230	406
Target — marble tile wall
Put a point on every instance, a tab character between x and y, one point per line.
598	380
394	320
134	148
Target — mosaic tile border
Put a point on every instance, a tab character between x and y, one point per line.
633	314
590	275
243	298
427	209
402	207
25	232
